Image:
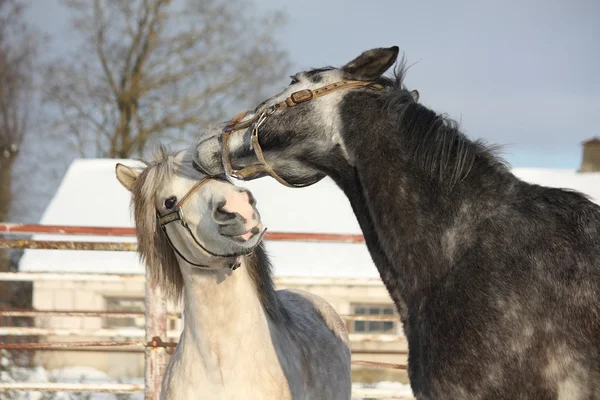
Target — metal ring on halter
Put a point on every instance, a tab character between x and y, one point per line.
177	215
259	119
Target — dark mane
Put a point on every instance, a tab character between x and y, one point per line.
434	141
260	270
314	74
155	251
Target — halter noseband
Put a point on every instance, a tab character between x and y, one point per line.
177	215
236	124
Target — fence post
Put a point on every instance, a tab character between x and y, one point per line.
156	326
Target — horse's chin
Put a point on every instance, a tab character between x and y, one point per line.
242	245
230	263
306	181
300	181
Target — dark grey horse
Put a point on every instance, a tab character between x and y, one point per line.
497	281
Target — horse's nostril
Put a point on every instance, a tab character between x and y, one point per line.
251	198
222	215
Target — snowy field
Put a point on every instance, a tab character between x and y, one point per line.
91	375
68	375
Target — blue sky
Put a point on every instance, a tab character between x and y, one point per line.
520	74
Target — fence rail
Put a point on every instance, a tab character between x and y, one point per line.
156	316
73	387
76	277
138	333
65	245
80	314
136	388
126	314
25	229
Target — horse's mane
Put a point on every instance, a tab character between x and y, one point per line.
434	141
153	246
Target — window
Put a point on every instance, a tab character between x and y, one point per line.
374	326
125	304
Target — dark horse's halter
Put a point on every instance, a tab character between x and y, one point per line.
257	120
177	215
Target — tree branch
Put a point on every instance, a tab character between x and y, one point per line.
149	68
99	25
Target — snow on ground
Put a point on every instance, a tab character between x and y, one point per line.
398	388
67	375
91	375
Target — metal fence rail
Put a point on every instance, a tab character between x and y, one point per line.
155	314
136	388
288	280
73	387
135	333
25	229
126	314
79	314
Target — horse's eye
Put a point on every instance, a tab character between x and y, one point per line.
294	80
170	202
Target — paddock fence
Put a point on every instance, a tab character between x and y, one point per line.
155	341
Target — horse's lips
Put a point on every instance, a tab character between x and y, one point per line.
256	175
198	168
243	238
261	235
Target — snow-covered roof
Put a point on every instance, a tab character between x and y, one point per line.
588	182
90	195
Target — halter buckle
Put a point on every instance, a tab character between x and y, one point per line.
300	96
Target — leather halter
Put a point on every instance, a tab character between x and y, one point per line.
177	215
236	124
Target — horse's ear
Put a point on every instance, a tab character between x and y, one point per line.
126	175
371	64
415	95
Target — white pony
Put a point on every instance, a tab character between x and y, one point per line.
242	339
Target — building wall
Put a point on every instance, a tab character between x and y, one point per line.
85	296
92	296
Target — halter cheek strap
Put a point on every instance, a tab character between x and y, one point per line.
236	124
251	170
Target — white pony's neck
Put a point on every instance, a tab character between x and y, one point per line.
225	336
219	308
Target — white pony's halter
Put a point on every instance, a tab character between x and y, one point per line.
177	215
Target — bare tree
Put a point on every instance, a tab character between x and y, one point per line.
17	52
18	45
149	69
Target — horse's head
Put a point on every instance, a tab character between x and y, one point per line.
291	135
207	222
